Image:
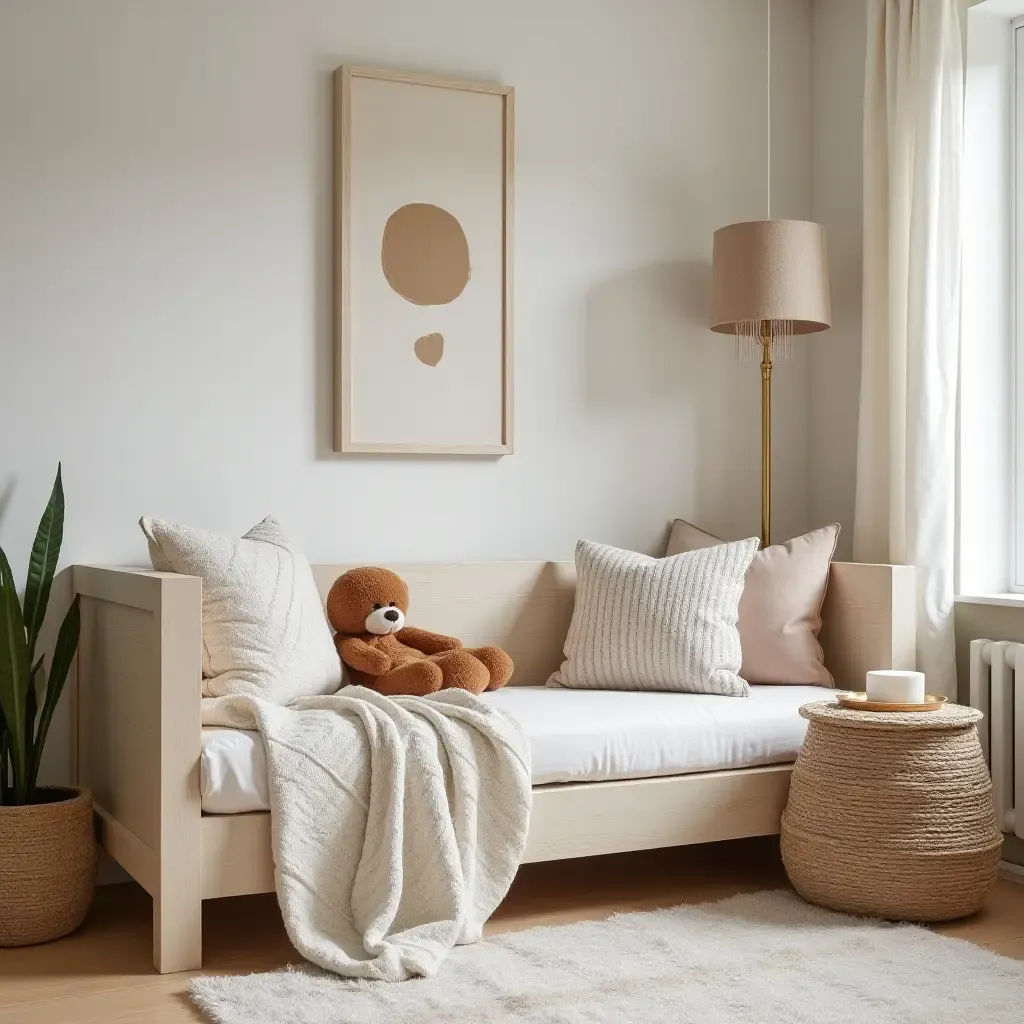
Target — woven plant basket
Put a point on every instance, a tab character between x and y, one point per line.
890	815
47	866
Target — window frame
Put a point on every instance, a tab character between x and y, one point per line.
1016	268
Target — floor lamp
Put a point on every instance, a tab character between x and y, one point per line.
770	282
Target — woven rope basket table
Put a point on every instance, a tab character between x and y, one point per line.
890	815
47	867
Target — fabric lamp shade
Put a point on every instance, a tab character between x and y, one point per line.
773	270
770	283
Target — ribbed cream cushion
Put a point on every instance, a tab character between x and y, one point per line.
644	623
265	632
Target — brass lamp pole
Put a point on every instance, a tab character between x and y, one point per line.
766	433
770	282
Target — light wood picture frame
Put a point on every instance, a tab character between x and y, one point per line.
423	264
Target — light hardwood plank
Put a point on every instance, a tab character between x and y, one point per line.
103	972
997	921
1013	948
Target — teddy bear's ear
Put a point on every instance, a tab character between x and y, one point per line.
382	586
345	602
354	594
398	591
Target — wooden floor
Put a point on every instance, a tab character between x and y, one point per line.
103	973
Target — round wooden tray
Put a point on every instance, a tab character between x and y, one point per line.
858	701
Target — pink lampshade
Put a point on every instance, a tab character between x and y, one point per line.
771	270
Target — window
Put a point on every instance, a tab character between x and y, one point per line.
990	491
1016	269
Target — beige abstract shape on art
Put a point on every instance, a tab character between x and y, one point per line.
425	258
429	349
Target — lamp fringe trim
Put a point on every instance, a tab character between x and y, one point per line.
748	341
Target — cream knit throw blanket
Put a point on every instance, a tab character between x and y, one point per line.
398	823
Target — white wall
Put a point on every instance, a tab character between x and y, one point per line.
165	274
790	168
838	42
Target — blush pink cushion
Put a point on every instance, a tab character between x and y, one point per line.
780	610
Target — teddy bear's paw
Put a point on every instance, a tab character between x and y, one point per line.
498	663
413	679
462	671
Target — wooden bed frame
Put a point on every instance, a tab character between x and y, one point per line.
137	727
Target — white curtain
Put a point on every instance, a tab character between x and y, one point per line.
913	138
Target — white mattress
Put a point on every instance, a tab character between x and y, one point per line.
578	736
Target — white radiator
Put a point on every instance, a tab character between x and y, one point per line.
997	689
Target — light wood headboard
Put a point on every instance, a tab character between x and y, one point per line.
525	608
522	607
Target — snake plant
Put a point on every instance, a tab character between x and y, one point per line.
28	693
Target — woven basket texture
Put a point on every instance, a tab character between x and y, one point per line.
890	815
47	868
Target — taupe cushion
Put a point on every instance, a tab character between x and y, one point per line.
780	611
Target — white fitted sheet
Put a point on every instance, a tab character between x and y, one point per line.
579	736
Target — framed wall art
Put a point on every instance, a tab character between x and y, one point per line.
423	269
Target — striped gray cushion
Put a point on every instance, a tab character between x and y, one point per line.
644	623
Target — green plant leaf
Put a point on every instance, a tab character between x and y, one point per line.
42	563
34	696
38	675
60	665
32	702
4	744
14	677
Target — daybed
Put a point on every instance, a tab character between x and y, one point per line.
140	744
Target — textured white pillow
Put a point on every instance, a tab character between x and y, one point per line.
265	632
645	623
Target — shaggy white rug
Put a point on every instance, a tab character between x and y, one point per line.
751	959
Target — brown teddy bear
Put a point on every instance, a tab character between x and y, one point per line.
367	607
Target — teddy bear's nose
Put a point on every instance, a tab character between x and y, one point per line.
391	615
